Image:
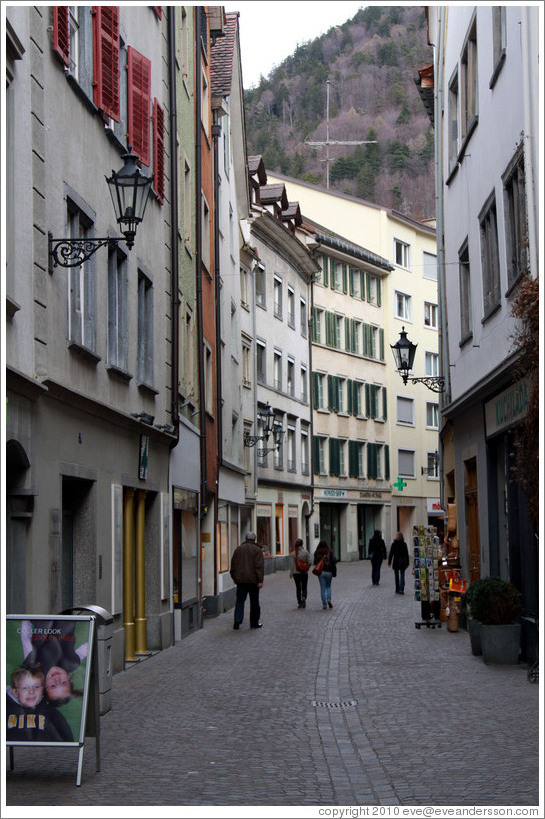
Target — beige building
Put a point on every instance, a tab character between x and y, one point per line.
408	300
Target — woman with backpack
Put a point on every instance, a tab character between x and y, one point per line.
329	570
300	564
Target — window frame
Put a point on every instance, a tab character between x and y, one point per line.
490	257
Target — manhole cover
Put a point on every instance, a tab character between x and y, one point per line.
334	705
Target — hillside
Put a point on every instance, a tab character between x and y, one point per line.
371	62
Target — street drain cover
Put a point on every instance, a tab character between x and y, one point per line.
334	705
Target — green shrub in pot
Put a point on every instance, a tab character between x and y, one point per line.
493	601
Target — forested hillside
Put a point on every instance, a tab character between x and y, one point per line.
371	62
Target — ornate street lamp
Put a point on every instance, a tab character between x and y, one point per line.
269	424
404	352
129	189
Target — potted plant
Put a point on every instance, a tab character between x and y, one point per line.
473	625
496	604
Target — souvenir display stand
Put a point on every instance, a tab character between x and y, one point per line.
426	561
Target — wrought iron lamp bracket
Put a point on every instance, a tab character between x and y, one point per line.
435	383
73	252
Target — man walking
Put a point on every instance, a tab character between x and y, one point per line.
399	560
247	570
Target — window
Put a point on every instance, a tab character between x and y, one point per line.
145	330
429	266
291	307
374	466
290	376
260	285
466	321
355	459
490	259
357	398
354	282
342	458
432	364
405	410
375	402
292	463
277	361
334	274
81	286
159	150
303	317
432	415
402	306
304	383
264	531
319	455
405	463
277	297
432	465
208	379
453	130
205	102
319	390
498	41
187	341
118	285
341	392
430	315
305	463
244	288
334	457
188	189
279	454
338	327
469	82
402	254
205	239
261	362
246	363
106	72
279	528
374	288
516	220
139	101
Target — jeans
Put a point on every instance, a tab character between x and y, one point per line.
325	587
400	579
301	583
375	573
243	590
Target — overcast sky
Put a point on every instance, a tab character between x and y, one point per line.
271	31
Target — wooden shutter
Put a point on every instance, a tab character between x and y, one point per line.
316	447
316	390
334	457
379	292
384	404
158	11
347	338
362	285
325	260
159	150
61	33
345	277
387	462
139	101
381	343
106	79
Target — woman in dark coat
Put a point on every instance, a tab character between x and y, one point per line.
398	559
377	553
329	571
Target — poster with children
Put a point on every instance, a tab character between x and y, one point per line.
48	663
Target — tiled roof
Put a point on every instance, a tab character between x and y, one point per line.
221	53
273	193
334	240
257	166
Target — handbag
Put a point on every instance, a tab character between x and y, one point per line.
319	567
301	565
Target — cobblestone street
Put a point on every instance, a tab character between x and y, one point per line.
351	706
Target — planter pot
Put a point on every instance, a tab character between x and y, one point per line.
501	644
474	628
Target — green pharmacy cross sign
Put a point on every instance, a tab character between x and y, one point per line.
399	484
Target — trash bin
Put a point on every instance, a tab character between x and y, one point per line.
104	625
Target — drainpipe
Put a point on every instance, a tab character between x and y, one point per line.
198	258
311	396
216	131
529	62
171	12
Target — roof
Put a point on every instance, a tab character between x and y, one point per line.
269	194
425	83
333	240
221	57
257	166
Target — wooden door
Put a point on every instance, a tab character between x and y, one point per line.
472	520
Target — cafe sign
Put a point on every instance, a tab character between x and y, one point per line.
508	408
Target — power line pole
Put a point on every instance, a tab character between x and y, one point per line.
329	141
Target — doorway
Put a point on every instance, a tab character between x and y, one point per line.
471	494
330	527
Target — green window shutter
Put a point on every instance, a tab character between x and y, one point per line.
328	328
349	396
379	292
362	284
315	389
331	393
333	271
347	344
371	461
387	462
345	278
381	343
314	324
353	336
368	288
384	404
334	457
352	284
325	260
353	459
374	408
367	400
316	447
365	339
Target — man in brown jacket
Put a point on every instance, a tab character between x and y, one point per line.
247	570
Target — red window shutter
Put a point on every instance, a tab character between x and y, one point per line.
158	11
159	149
139	100
106	60
61	33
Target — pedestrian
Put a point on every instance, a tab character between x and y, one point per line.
247	570
398	559
377	553
299	566
328	572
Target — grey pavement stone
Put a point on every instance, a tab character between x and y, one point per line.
227	718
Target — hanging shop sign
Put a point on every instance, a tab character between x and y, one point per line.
508	408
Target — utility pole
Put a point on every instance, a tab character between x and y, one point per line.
329	141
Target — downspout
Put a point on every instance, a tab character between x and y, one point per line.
529	59
171	12
216	131
198	257
311	394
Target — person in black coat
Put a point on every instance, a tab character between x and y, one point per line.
377	553
398	559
